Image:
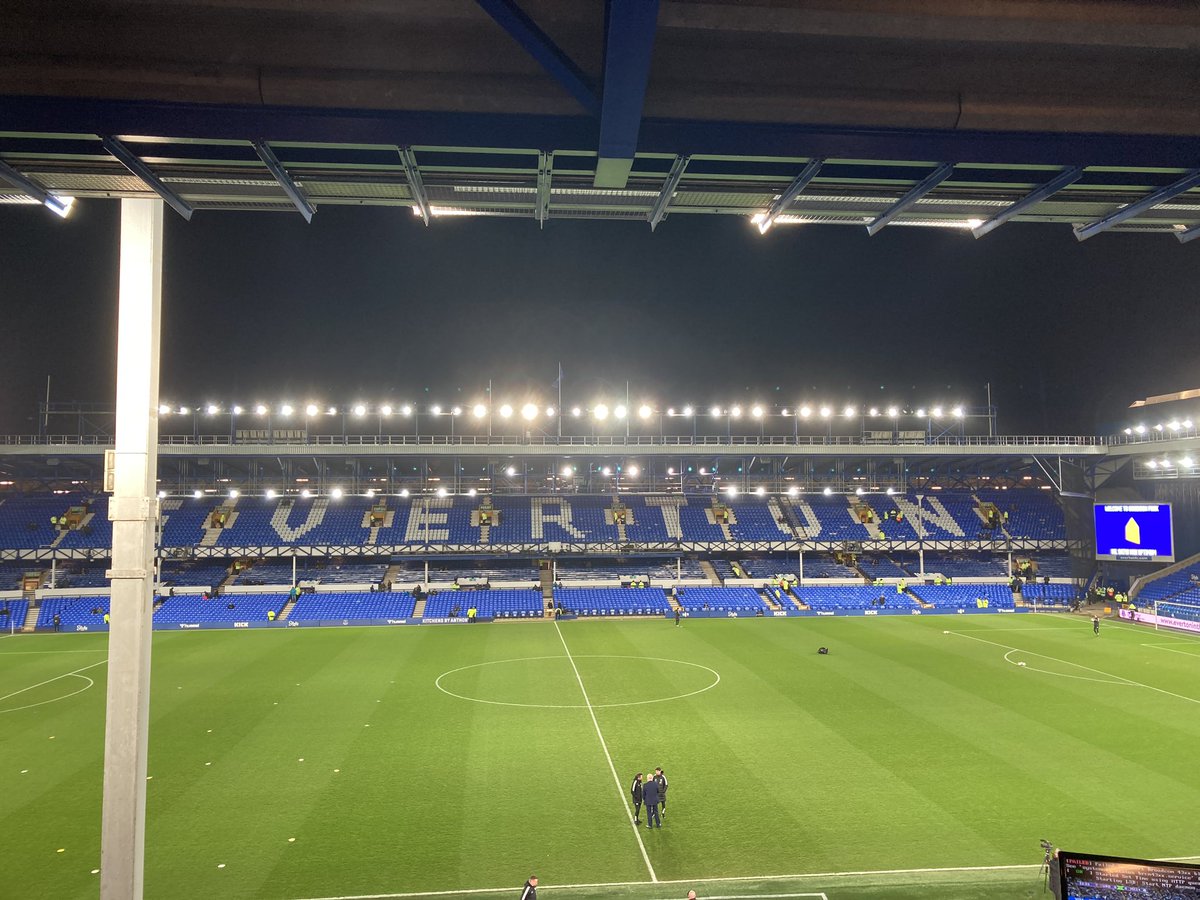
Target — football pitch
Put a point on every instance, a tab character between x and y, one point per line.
919	759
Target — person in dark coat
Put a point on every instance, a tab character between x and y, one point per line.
529	892
636	791
650	798
661	780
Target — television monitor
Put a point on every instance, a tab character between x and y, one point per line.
1087	876
1134	532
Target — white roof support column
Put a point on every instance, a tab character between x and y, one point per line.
133	511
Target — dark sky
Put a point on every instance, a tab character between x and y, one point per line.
369	304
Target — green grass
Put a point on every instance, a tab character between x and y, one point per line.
905	748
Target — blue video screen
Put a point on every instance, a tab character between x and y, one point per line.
1086	876
1134	532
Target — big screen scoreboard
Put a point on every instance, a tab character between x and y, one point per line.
1087	876
1134	532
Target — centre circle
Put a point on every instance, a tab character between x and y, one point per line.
553	682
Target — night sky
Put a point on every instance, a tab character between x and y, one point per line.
369	304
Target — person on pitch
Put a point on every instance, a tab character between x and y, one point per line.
529	892
661	780
651	799
1096	625
636	791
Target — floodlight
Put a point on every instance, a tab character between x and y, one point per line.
1129	431
735	412
921	412
600	411
632	471
1173	425
164	410
529	412
732	490
406	410
805	411
336	493
471	492
270	495
849	412
305	493
873	412
479	410
549	412
576	411
1187	462
506	411
510	471
197	494
183	410
687	411
457	411
260	409
858	492
715	412
893	411
1140	429
793	491
435	410
1158	427
237	410
441	492
606	471
385	410
403	492
162	495
756	411
1166	464
1187	423
826	412
760	491
703	471
360	410
233	493
620	412
645	412
890	491
370	492
937	412
332	411
311	409
785	412
828	492
670	470
1151	464
567	472
958	412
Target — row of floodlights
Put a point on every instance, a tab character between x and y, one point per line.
1174	425
1185	462
337	493
600	411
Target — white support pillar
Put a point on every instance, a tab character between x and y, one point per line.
801	572
133	512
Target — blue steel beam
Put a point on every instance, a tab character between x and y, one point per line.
668	190
271	161
125	157
1162	195
628	44
1189	234
1034	197
799	183
27	186
545	52
932	180
416	186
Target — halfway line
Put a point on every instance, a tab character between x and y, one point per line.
604	745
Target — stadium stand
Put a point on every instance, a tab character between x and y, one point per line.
512	604
722	599
882	567
1177	586
612	601
852	597
360	605
12	614
965	596
818	566
232	608
967	566
199	573
73	611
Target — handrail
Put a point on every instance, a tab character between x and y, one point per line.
698	441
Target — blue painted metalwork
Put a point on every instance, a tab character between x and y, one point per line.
628	45
1162	195
545	173
673	136
1189	234
285	180
538	44
38	193
1034	197
799	183
932	180
668	190
415	185
123	155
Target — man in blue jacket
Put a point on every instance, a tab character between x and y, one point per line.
650	799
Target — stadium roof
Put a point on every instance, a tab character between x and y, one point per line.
873	113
